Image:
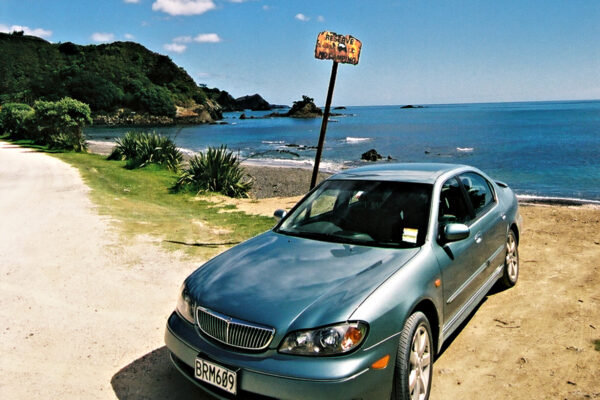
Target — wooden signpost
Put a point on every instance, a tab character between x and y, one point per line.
340	49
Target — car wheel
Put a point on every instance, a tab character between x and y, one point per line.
414	361
511	262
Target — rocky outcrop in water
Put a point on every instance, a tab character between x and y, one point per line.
371	155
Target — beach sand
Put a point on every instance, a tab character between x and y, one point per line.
82	315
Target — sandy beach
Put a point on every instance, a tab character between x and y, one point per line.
82	316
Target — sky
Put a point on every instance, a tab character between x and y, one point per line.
413	52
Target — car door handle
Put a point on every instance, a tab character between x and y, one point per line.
478	237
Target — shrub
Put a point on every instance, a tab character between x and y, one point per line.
140	149
217	170
59	124
12	120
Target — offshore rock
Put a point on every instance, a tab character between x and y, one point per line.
371	155
304	108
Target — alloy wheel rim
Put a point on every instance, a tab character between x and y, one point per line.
420	364
512	260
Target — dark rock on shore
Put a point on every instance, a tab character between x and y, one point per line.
371	155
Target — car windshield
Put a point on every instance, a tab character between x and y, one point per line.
375	213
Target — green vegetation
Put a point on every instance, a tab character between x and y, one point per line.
597	344
58	124
12	119
107	77
140	149
142	204
217	170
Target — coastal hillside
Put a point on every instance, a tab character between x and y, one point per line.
123	82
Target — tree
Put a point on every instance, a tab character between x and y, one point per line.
99	93
157	101
12	119
60	124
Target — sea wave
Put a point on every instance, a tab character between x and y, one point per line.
351	139
465	149
273	142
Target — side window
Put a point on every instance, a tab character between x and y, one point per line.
479	191
453	207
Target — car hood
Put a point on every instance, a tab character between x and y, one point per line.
289	282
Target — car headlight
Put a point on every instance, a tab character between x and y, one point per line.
185	304
329	340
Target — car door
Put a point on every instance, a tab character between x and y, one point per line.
488	227
457	260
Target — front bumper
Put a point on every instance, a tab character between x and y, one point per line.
274	375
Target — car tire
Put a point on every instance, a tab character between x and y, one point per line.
511	262
414	361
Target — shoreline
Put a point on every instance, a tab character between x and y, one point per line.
274	178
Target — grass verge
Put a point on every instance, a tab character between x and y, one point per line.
142	204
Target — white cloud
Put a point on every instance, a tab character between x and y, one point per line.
129	36
266	7
103	37
301	17
44	33
183	7
321	18
183	39
132	1
207	38
175	47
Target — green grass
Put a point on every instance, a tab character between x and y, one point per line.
597	344
141	203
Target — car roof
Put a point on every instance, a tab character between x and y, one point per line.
401	172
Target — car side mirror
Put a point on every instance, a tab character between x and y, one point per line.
456	232
279	214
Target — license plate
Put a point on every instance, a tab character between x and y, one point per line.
216	375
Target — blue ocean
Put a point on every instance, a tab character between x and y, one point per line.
541	149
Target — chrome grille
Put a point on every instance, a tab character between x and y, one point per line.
233	332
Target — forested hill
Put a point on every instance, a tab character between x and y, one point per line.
115	78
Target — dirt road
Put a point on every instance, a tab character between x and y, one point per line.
82	316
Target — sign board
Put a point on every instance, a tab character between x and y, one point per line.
339	48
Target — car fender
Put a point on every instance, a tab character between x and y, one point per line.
388	307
